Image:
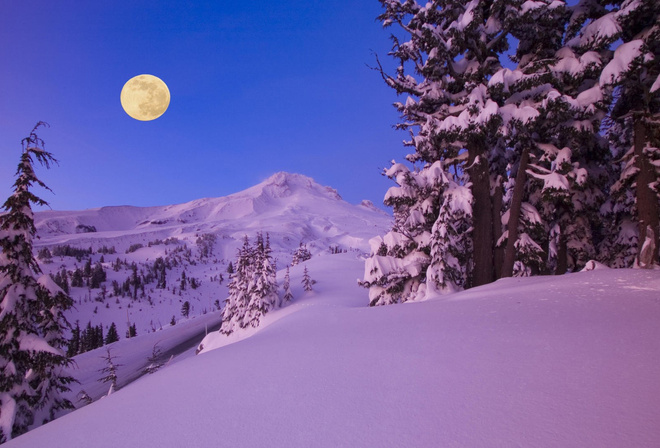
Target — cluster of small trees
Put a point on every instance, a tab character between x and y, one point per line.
253	289
205	244
70	251
252	286
90	338
301	254
513	166
91	277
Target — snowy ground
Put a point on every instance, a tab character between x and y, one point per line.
569	361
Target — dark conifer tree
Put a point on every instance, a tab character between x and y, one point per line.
185	309
98	276
74	346
32	322
635	74
77	279
112	335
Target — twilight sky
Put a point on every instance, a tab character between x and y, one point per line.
257	87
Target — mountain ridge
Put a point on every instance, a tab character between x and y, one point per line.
282	196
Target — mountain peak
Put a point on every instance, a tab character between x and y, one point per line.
284	184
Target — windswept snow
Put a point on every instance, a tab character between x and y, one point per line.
562	361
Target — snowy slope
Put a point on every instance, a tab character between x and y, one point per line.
568	361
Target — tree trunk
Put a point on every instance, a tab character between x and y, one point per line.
482	216
498	252
562	255
514	215
647	200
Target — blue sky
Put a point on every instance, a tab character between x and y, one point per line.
257	87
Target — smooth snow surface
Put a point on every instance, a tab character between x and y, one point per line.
569	361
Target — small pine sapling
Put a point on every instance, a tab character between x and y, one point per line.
109	371
154	360
307	280
288	296
83	397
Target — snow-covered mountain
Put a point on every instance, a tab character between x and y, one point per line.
126	241
291	207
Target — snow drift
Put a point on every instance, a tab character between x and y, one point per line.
568	361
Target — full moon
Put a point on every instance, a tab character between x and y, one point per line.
145	97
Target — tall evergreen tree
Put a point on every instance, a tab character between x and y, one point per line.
262	287
554	107
453	49
635	72
32	322
236	303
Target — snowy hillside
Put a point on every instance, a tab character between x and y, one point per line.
561	361
196	240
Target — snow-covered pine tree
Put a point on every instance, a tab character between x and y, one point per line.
110	371
32	322
635	72
252	287
522	94
553	107
286	286
301	254
453	49
399	260
154	360
450	238
262	286
307	281
236	303
618	248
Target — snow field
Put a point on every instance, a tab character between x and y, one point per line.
568	361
